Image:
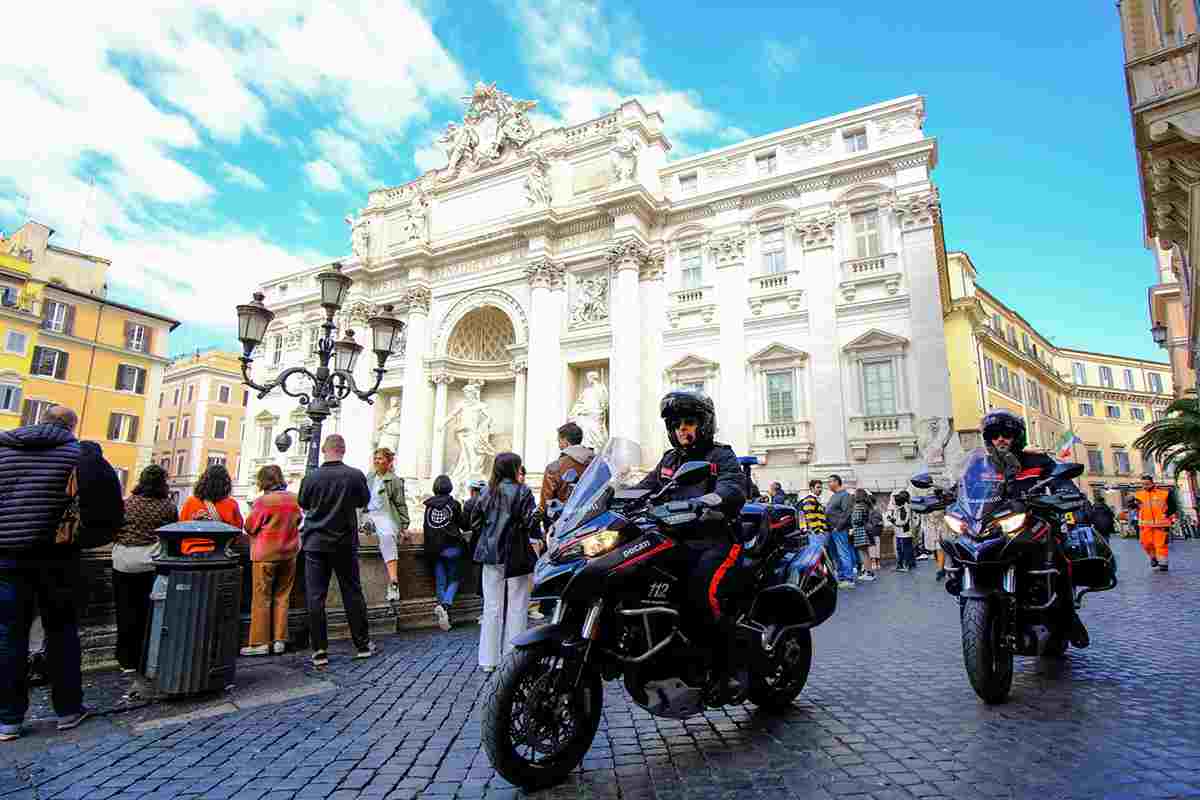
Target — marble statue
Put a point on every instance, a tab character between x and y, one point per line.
414	219
591	302
537	184
624	155
494	124
388	434
360	235
473	430
940	448
590	411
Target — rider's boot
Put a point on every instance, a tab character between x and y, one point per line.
731	671
1079	633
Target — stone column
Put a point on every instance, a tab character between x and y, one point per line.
730	259
519	367
626	258
437	459
543	402
415	400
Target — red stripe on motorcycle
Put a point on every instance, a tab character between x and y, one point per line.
781	523
667	545
729	561
1032	472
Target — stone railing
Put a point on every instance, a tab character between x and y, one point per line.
857	269
692	297
1164	74
884	429
795	435
775	282
781	286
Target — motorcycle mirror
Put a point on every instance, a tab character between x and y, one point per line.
692	473
1067	471
921	480
570	476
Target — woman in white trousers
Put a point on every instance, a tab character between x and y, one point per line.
505	519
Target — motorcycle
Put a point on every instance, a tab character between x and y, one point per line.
1019	566
620	612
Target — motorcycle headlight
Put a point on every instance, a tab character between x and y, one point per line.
1012	524
596	544
956	524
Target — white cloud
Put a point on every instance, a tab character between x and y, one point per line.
311	215
345	154
243	177
780	58
428	154
323	175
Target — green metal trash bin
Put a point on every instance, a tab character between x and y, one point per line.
194	624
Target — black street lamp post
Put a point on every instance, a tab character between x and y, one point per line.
330	386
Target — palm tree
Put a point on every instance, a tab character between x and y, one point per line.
1174	440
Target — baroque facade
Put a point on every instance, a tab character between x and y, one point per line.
797	277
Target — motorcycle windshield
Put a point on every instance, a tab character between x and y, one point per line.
980	488
612	468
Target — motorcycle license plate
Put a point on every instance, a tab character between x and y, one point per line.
1070	517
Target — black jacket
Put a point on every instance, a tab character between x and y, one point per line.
728	482
1103	518
506	523
443	524
330	498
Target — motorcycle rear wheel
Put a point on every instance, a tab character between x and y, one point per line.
784	679
989	664
534	732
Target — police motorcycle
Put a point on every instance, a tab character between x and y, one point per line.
1019	565
621	613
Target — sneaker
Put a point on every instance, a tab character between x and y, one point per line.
1154	563
280	648
127	670
901	569
320	659
845	584
488	670
9	732
867	576
256	650
443	619
367	653
941	573
393	592
1162	566
923	557
536	615
72	721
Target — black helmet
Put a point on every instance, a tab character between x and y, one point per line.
1002	421
681	405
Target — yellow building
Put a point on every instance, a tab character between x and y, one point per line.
103	359
18	332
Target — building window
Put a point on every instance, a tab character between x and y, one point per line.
1086	410
1128	379
1080	373
49	363
781	396
1012	335
276	349
774	255
1031	393
34	411
1002	378
191	393
185	427
1155	382
766	164
688	184
131	379
265	440
58	317
10	296
856	141
1095	461
245	397
135	337
691	267
122	428
180	463
16	342
1121	459
1112	412
1147	465
175	402
1106	377
171	429
314	340
223	394
1025	345
879	388
866	233
216	458
10	398
989	371
220	425
1137	413
998	324
1016	387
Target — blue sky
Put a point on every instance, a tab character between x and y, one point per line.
207	146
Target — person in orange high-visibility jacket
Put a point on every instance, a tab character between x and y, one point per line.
1156	513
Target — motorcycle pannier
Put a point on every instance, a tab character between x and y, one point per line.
1093	564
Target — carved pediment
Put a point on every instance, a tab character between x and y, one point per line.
876	339
265	417
692	362
778	355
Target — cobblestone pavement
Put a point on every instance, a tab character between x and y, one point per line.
888	713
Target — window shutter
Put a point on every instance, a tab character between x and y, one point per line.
27	414
114	426
133	429
60	370
128	335
69	324
47	307
37	360
148	340
120	372
141	381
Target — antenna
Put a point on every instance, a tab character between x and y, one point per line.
87	204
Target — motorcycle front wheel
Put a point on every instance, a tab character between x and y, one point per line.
989	664
785	674
537	726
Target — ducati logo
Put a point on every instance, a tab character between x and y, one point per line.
637	548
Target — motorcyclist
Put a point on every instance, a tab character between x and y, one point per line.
711	552
1004	437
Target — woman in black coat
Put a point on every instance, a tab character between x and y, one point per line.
445	545
506	522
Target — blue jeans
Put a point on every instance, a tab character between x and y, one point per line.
445	574
54	587
845	555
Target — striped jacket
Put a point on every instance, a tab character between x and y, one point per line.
813	514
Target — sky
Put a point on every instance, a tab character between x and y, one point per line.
207	146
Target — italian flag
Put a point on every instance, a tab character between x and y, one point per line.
1066	445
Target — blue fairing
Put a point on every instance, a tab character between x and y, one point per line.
792	566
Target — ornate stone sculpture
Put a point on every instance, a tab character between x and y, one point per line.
388	434
414	220
624	156
590	412
473	430
591	302
360	235
537	183
493	125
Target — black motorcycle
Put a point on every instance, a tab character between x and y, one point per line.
621	613
1019	565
